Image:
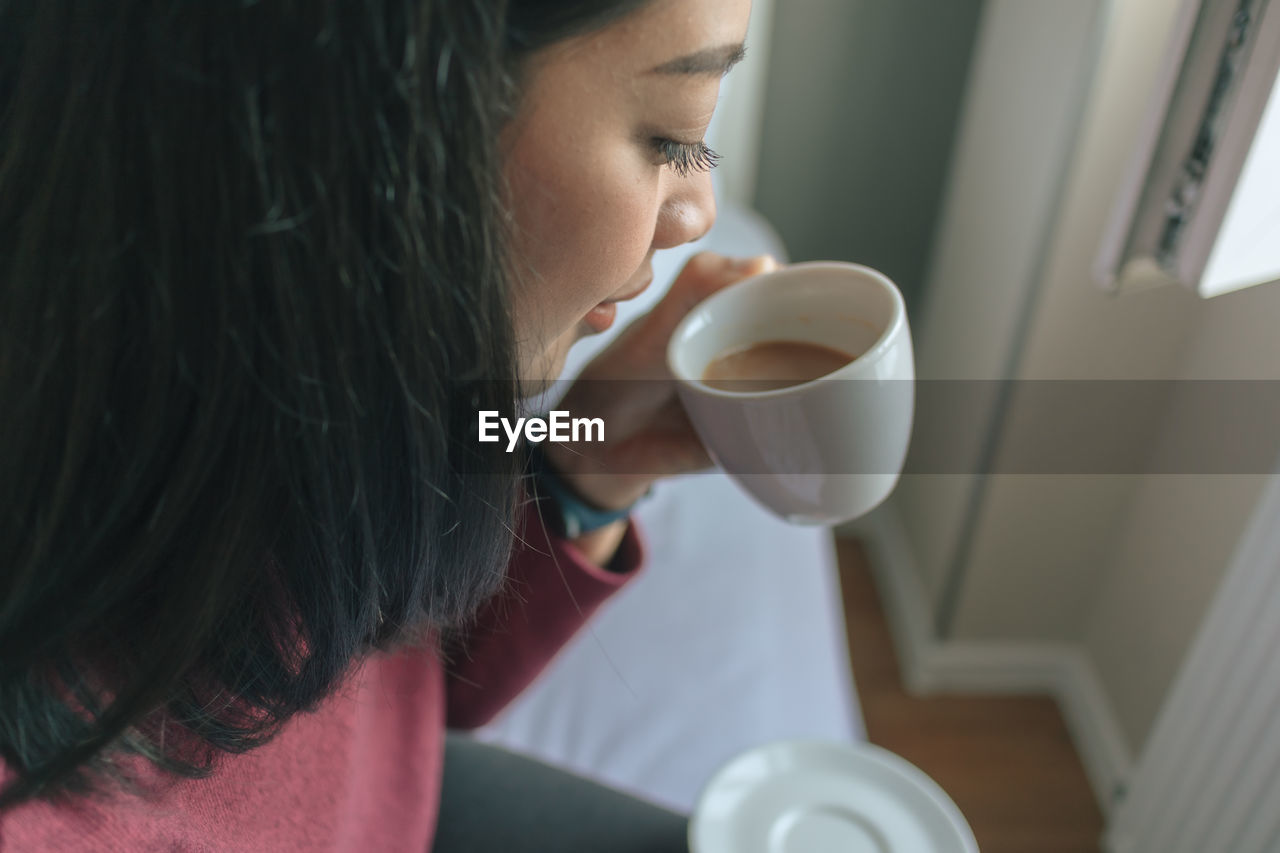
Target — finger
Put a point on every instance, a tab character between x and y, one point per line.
707	273
681	449
667	454
756	265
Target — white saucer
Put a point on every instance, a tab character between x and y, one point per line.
809	797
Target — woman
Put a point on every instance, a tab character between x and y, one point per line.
261	265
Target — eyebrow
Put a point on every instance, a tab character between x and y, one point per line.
713	60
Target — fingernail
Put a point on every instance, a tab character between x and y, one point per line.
760	263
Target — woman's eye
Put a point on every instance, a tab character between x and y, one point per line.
685	158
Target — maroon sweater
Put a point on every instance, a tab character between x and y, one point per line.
362	772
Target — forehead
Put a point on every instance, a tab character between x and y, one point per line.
655	34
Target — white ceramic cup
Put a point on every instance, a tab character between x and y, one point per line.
821	452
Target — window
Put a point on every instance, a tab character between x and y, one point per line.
1202	202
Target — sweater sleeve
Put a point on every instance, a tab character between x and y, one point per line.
551	591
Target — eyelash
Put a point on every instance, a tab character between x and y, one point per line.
684	158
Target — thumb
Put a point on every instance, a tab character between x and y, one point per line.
705	274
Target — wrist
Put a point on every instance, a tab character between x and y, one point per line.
583	474
600	546
568	511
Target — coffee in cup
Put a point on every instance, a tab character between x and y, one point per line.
769	365
817	449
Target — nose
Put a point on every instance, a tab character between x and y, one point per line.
688	212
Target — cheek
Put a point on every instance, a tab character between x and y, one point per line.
584	226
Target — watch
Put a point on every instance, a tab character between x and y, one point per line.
570	514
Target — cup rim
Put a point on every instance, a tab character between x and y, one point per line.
877	349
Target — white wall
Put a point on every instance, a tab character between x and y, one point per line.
1024	101
735	129
1179	532
862	99
1121	567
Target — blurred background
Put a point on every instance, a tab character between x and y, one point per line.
1046	181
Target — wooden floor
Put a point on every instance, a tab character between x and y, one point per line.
1007	762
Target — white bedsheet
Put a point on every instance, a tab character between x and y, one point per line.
732	637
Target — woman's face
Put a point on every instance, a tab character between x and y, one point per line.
593	186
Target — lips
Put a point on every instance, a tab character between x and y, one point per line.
633	293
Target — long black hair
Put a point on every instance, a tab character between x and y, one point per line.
253	290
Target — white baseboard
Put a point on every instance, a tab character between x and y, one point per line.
930	665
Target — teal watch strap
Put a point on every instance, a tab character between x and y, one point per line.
570	513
